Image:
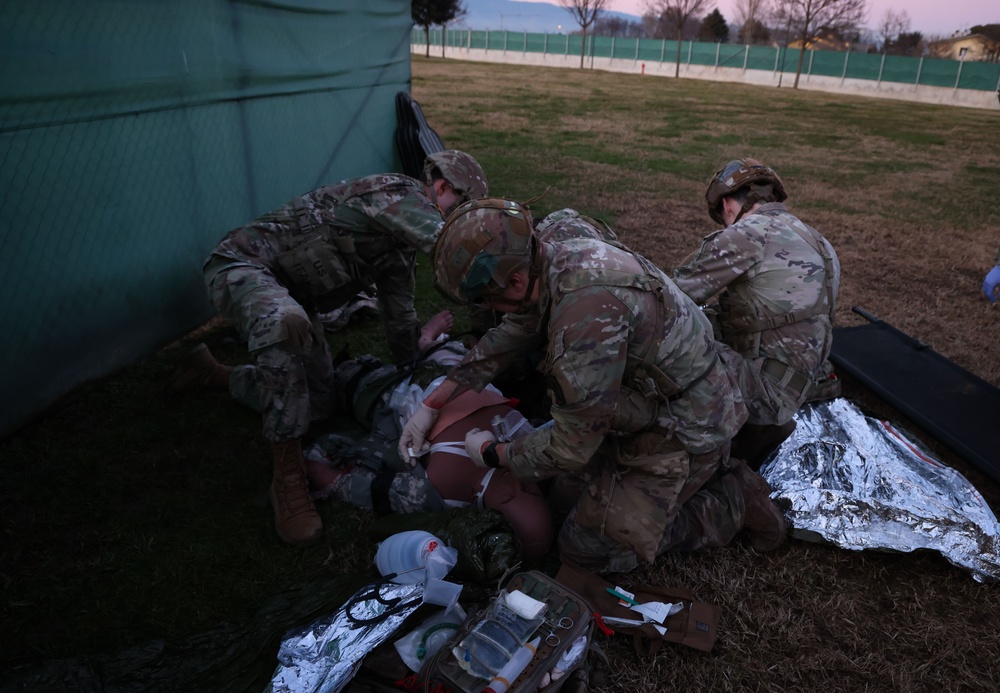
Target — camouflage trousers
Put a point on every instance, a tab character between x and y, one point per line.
704	509
290	390
768	401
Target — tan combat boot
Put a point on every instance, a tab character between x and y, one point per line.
761	517
295	516
199	369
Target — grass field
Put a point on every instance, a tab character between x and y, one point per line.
129	516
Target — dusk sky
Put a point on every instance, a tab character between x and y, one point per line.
929	17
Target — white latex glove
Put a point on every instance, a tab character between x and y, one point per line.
475	441
414	435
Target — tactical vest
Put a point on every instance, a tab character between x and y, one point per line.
321	265
742	313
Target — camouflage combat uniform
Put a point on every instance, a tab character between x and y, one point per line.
310	256
643	406
779	280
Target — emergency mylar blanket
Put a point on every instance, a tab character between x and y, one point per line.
324	656
861	483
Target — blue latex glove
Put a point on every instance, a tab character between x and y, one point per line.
992	284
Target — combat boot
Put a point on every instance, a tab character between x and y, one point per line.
761	517
295	518
199	369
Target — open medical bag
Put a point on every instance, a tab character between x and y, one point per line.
566	619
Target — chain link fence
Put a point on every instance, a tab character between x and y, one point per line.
133	135
875	68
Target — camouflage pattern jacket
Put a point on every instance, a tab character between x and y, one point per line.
601	309
339	228
778	279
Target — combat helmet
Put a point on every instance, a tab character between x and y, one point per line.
481	244
762	181
461	170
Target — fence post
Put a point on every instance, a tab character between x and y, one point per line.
663	47
612	47
847	56
812	54
880	68
506	35
545	45
486	46
637	49
567	45
958	77
746	55
717	46
777	52
920	67
690	46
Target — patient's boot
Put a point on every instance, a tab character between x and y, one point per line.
295	518
199	369
761	517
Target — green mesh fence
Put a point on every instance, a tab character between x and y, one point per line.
876	68
135	133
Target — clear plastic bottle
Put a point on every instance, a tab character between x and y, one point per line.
405	553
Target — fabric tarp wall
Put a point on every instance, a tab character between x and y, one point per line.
135	133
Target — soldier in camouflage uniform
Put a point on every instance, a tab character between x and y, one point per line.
644	408
273	277
777	280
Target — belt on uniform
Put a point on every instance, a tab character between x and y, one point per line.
787	377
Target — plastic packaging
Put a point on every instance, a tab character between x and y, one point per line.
423	642
414	556
493	641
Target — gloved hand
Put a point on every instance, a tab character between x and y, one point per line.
475	441
299	331
414	435
992	283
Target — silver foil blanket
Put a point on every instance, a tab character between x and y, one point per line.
861	483
324	656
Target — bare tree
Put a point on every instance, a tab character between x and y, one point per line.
891	25
428	12
809	19
585	12
750	15
676	13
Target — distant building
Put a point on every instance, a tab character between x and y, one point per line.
831	41
973	48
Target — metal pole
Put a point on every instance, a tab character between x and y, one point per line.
717	46
506	35
545	45
663	47
920	67
746	55
690	46
637	50
880	68
812	54
612	47
958	77
847	56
